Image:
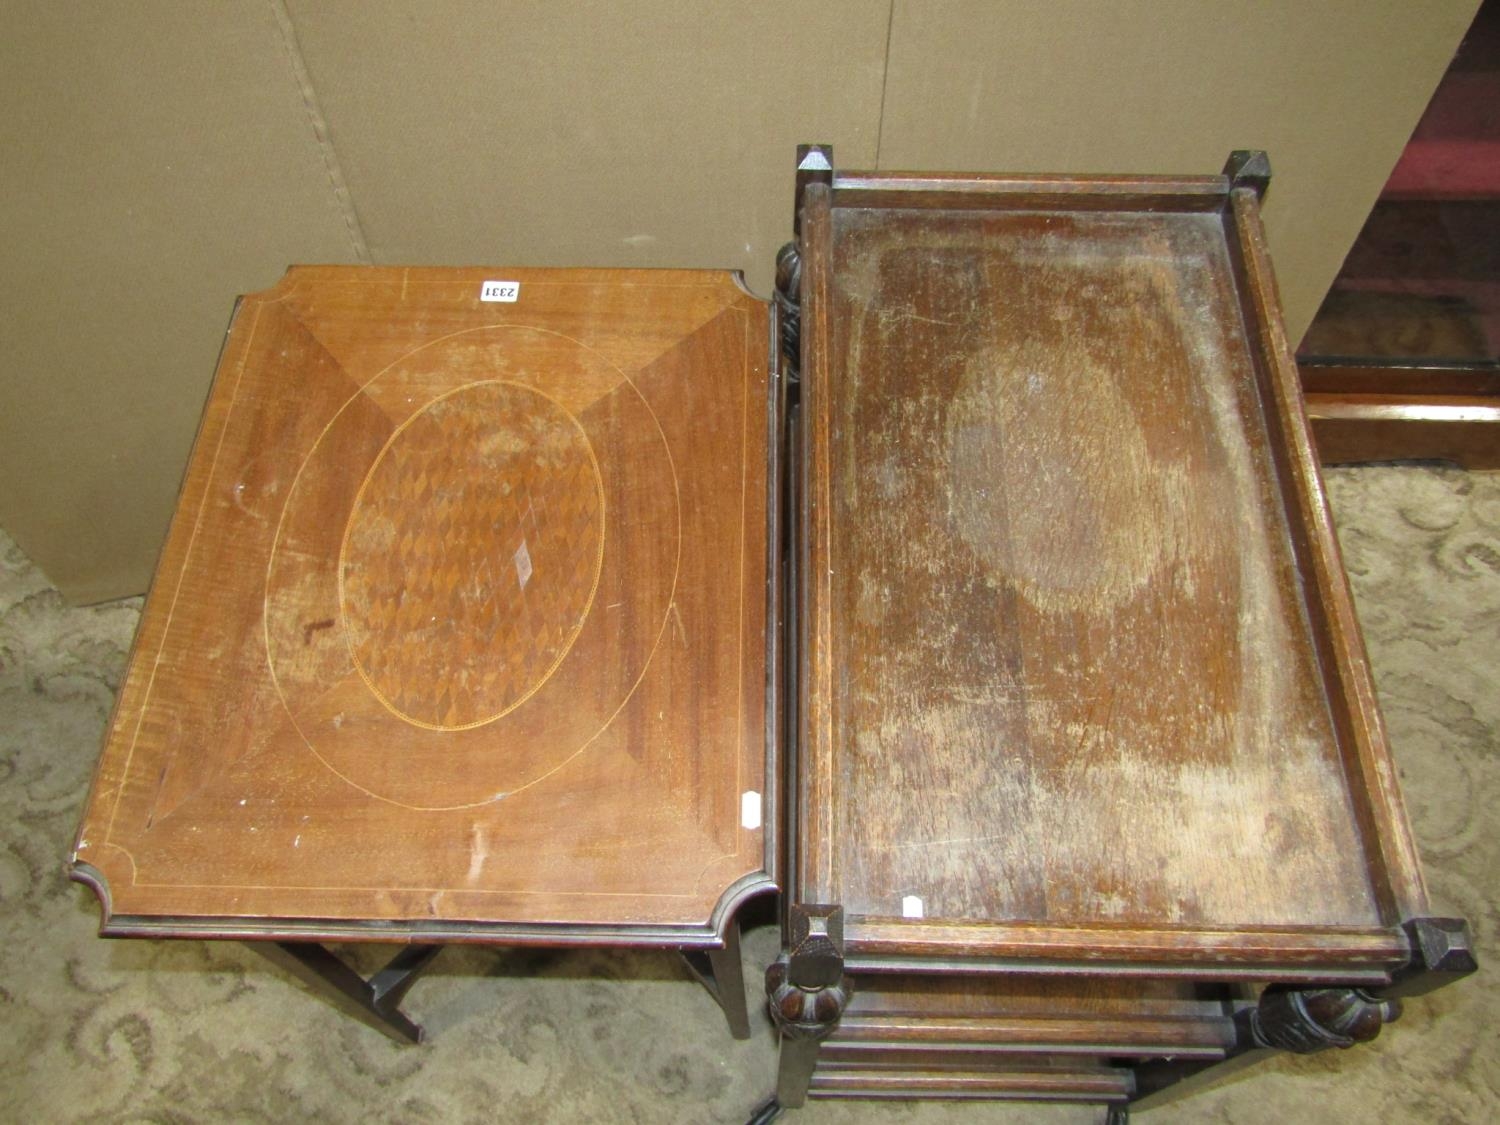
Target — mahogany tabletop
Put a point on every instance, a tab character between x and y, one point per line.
1082	681
461	627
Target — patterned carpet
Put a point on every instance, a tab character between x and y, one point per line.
136	1031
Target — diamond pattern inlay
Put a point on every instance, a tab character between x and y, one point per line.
472	554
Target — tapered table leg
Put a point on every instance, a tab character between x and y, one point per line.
722	973
808	992
795	1063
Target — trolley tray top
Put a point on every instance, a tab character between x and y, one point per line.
1081	679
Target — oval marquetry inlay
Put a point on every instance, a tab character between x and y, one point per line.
472	554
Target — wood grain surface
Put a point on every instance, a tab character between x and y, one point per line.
1395	411
1017	1037
1082	682
462	622
1036	1015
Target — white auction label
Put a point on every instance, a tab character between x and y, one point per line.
750	809
500	291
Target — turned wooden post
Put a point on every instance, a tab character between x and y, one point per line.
807	993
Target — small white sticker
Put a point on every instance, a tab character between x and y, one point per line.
750	809
523	564
911	907
500	291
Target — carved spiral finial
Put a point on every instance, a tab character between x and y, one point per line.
801	1013
788	303
805	984
1313	1019
789	272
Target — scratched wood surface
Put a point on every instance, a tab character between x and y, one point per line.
1080	663
1035	1034
462	617
901	1031
1121	1017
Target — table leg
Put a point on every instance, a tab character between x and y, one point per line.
376	1001
722	972
795	1063
808	993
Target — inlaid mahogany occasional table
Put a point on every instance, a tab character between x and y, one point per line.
462	630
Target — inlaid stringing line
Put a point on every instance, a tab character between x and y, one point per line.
629	695
588	603
676	571
181	577
739	757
